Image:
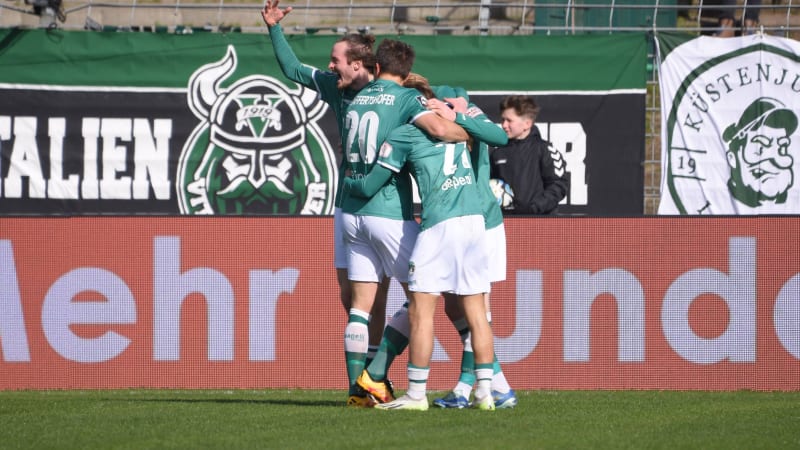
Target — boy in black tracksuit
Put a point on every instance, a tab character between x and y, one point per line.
528	163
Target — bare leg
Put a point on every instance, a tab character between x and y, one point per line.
482	339
363	295
345	291
421	311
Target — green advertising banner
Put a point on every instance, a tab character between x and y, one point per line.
120	123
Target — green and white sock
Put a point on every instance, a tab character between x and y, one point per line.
466	379
499	382
393	343
417	381
483	372
356	341
371	350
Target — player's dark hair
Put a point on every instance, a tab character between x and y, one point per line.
395	57
359	48
523	105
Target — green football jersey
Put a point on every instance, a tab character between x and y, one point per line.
379	108
443	170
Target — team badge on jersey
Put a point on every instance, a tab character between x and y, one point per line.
473	111
386	150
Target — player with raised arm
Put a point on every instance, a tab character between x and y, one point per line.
351	67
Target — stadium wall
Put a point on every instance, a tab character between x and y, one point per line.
123	123
246	302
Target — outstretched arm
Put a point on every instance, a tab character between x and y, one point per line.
291	67
480	127
471	118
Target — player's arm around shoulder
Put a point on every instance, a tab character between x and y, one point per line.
480	127
441	128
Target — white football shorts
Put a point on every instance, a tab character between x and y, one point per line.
451	257
378	247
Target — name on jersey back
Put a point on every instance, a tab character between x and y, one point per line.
383	99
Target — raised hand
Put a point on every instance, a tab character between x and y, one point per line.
272	14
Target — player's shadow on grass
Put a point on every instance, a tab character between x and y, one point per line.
280	401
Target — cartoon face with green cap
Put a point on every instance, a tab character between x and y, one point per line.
758	152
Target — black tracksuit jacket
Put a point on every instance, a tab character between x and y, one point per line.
528	166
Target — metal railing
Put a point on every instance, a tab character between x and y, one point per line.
382	17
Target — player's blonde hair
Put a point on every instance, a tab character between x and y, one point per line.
420	83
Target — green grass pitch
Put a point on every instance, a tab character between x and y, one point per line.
310	419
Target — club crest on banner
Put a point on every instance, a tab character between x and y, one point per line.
257	148
729	127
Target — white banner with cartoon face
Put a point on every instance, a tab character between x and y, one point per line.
729	126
